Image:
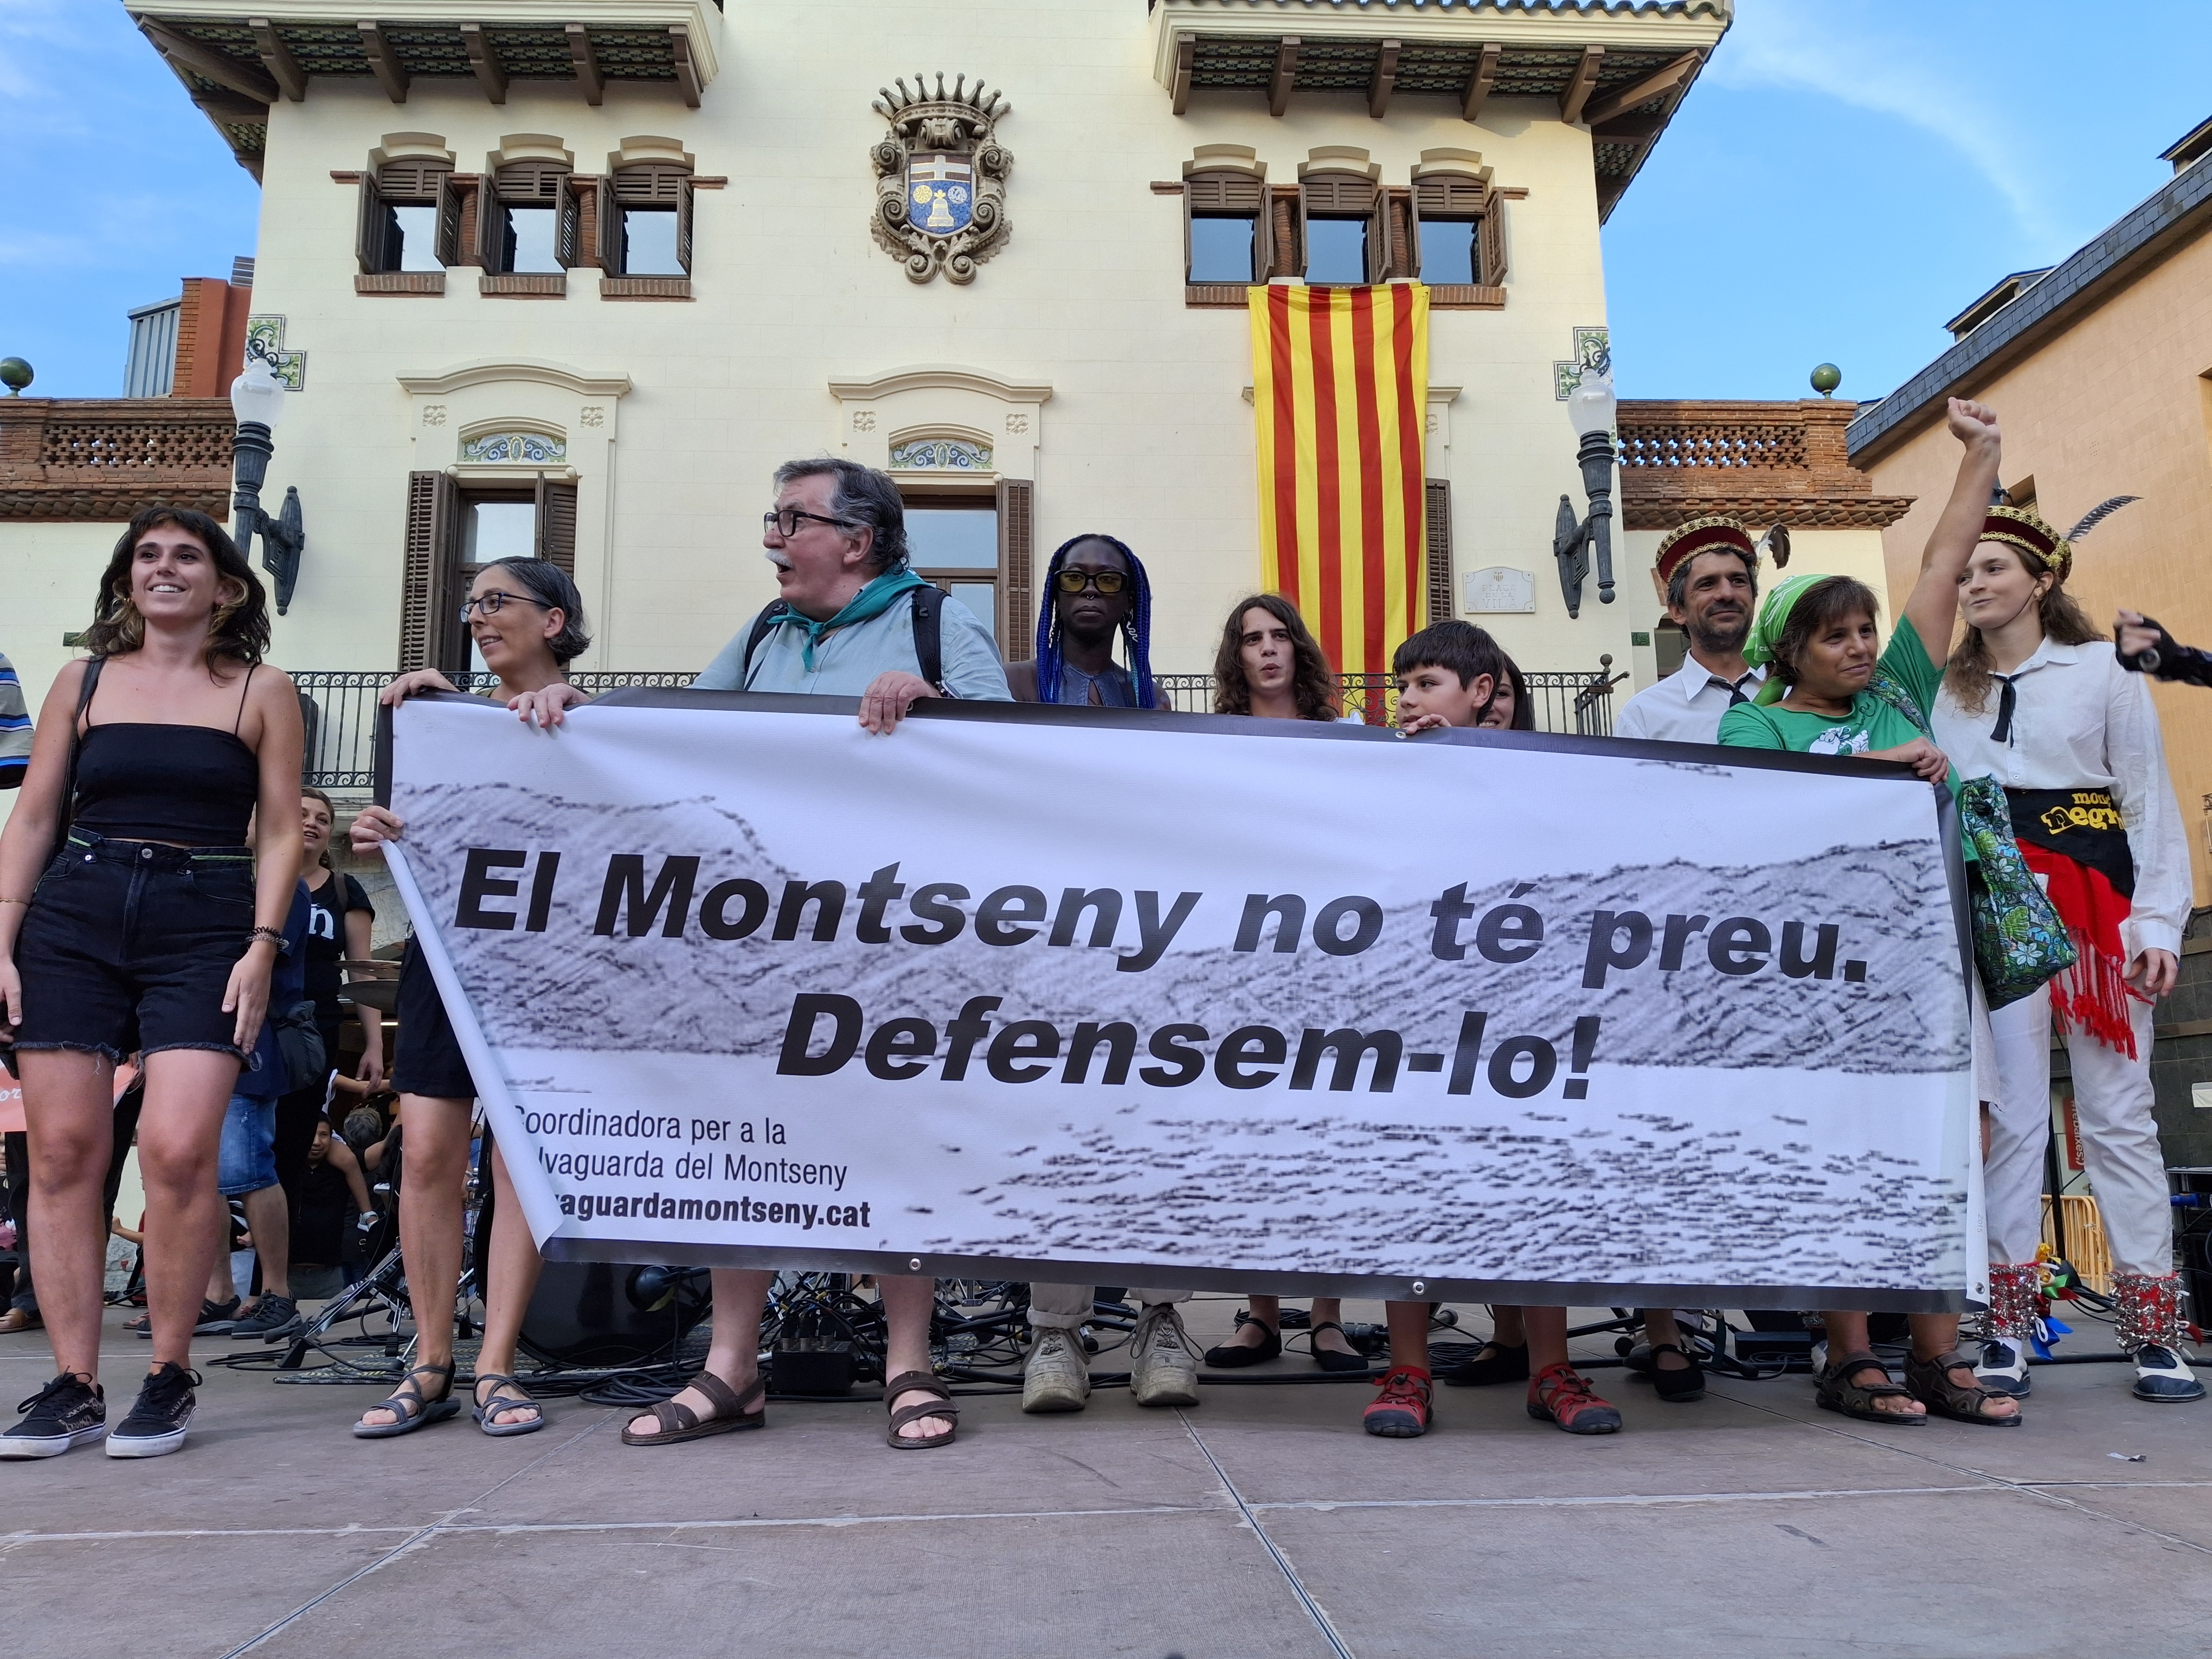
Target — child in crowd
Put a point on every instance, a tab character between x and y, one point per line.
1450	674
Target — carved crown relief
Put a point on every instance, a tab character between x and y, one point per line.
941	178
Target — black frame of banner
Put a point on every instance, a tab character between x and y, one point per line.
1550	1292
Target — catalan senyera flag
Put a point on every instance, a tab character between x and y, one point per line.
1340	389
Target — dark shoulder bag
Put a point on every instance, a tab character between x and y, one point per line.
928	635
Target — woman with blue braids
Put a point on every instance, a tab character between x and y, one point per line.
1094	588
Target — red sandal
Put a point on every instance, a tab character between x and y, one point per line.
1561	1395
1400	1410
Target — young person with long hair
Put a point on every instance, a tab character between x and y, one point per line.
2035	699
1827	692
154	928
1095	591
1270	665
527	619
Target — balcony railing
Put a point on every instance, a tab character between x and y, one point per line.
105	458
340	707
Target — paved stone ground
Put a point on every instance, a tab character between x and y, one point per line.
1261	1523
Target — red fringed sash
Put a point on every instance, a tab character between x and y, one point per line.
2093	995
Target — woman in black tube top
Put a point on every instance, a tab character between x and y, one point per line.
152	929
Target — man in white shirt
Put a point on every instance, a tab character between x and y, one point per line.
1707	574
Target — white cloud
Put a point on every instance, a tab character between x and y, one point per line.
1925	82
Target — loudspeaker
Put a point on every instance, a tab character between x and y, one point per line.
601	1314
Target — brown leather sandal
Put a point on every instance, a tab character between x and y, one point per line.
940	1405
732	1411
1931	1384
1837	1392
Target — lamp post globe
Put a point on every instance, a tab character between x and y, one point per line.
257	398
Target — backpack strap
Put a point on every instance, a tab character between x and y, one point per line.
775	612
929	633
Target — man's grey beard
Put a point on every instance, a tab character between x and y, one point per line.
1721	643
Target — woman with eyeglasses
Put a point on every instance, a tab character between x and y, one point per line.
527	619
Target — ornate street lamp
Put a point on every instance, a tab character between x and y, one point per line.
257	397
1591	407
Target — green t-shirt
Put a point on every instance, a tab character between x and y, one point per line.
1904	673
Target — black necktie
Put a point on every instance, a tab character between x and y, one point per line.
2002	731
1734	689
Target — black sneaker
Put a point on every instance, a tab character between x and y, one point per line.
68	1411
215	1319
273	1318
158	1416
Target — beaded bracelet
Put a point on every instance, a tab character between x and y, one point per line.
275	936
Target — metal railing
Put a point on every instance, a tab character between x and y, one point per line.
340	707
1565	701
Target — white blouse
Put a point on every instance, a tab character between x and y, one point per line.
2081	721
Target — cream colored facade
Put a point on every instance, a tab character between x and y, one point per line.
1072	353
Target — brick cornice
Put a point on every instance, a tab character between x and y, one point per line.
72	460
1762	462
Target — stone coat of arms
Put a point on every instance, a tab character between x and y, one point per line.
941	178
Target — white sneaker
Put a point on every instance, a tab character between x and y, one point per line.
1055	1378
1163	1370
2164	1375
2004	1367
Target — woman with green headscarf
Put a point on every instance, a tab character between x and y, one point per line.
1828	692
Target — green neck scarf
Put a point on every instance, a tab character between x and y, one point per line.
872	600
1773	617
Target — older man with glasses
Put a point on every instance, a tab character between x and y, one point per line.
849	623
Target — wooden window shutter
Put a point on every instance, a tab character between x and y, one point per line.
1491	240
449	220
1018	582
490	227
1439	551
368	241
684	222
430	564
1285	225
1381	246
556	522
1405	235
568	224
609	237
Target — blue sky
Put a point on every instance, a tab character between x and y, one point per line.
1847	174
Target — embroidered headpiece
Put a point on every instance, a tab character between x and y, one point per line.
1707	535
2019	527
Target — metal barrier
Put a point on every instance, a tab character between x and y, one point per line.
339	707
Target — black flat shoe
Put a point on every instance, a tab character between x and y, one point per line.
1330	1359
1229	1356
1493	1362
1679	1387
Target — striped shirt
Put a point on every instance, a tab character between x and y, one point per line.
15	729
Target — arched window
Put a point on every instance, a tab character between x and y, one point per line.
645	220
523	218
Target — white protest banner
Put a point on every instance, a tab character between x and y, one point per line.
1154	999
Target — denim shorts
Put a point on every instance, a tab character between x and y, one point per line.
128	946
247	1162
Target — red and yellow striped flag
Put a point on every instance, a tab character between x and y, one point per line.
1341	388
